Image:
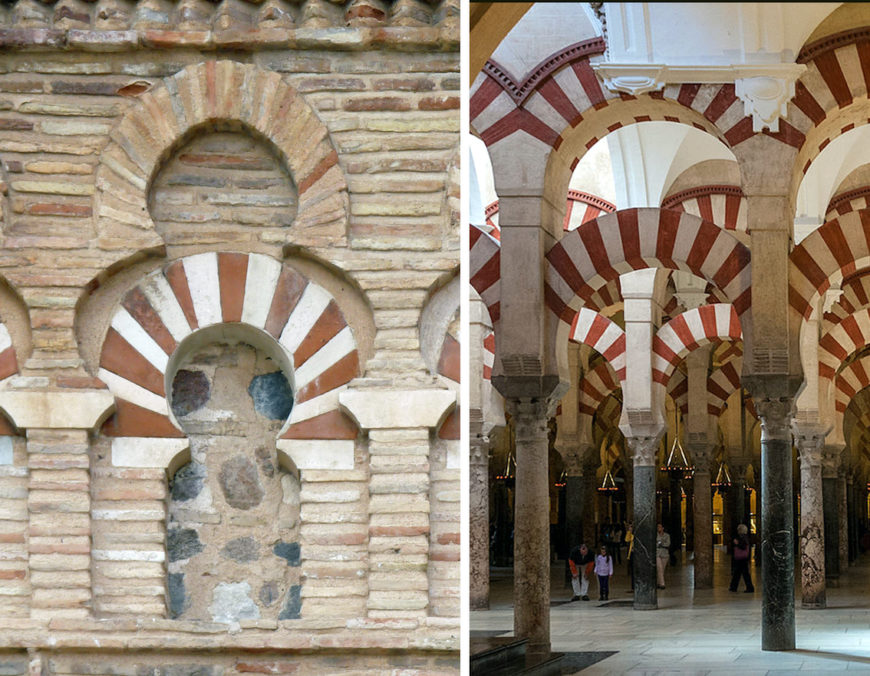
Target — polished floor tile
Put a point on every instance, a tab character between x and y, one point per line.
709	632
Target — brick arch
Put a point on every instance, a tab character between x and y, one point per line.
678	390
210	289
632	239
596	386
844	202
690	330
591	205
484	262
842	340
834	250
721	384
488	355
603	336
199	95
849	382
855	297
724	205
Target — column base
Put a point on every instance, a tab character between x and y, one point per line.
646	606
814	606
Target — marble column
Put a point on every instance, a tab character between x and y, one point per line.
531	524
478	521
690	517
590	494
737	495
643	450
831	511
850	520
675	525
702	456
777	545
843	517
810	442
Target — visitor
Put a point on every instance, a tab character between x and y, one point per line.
616	552
663	545
604	571
740	560
579	561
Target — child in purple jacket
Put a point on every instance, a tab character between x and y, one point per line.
604	571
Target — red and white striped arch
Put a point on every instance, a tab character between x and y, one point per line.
855	297
491	215
842	340
602	335
849	382
488	355
833	251
608	295
484	260
8	358
225	288
599	251
828	95
853	200
583	207
688	331
596	386
724	205
721	384
678	390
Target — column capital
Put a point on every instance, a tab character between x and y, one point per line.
702	455
810	441
397	409
478	447
643	449
775	416
831	456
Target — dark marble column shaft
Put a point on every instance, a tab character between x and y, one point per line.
644	523
590	494
703	522
777	546
478	522
844	521
531	525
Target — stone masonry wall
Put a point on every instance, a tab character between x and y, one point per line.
314	147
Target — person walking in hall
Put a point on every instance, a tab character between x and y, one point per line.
629	540
740	560
604	571
663	545
579	560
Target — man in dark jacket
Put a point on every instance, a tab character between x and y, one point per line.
581	562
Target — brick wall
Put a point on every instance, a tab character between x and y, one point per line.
325	139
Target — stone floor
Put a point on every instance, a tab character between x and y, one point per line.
698	632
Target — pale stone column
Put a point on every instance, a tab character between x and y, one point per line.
831	512
810	441
702	457
478	519
58	427
399	425
531	524
643	450
777	546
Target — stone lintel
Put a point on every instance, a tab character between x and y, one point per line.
83	409
397	409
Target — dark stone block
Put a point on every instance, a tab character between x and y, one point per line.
288	551
177	597
187	482
241	483
243	550
190	392
207	181
182	543
292	604
13	667
272	395
265	458
269	593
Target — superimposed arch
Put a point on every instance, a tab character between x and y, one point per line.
603	336
842	340
632	239
596	386
724	205
849	382
200	95
484	261
834	250
294	315
690	330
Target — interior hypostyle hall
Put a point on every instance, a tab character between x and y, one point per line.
669	318
229	337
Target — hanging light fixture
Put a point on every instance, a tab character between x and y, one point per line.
609	484
723	478
510	469
562	480
677	461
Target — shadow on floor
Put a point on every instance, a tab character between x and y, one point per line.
842	657
576	662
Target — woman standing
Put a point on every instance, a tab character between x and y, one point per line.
740	560
663	546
